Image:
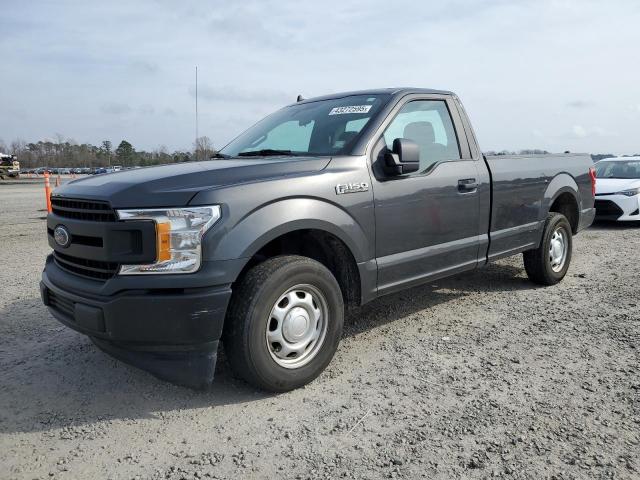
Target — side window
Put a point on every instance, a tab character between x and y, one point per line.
427	123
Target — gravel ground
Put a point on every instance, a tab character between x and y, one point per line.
476	376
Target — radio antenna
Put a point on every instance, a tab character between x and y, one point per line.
196	142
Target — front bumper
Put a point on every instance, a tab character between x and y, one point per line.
618	207
171	333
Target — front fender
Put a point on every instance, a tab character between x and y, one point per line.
268	222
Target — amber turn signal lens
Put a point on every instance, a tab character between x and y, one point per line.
163	237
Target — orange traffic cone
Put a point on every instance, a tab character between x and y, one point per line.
58	181
47	190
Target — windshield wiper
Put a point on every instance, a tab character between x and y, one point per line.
220	155
265	153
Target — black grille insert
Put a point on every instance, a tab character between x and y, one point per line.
88	210
62	304
94	269
607	208
82	240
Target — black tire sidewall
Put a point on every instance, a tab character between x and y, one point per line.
304	271
555	222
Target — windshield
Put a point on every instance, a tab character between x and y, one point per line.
618	169
326	127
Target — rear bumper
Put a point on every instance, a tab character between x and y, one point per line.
171	333
586	218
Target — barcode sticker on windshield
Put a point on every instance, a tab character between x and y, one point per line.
350	109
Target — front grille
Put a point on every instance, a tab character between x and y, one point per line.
62	304
607	208
94	269
88	210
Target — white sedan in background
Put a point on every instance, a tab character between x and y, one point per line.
618	189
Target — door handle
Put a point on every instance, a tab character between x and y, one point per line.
467	185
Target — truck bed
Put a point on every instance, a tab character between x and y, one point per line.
522	186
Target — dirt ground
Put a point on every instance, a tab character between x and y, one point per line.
481	375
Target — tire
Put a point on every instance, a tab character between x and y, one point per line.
542	264
277	302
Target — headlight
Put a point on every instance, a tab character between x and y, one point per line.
629	193
179	234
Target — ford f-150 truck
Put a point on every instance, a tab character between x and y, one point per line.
322	206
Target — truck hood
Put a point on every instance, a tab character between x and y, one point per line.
606	186
176	184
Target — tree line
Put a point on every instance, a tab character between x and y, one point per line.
62	152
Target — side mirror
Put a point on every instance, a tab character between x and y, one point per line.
403	158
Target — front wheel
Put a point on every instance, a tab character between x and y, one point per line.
548	264
284	323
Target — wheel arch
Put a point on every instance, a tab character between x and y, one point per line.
301	226
255	230
563	196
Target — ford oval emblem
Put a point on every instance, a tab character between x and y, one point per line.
62	236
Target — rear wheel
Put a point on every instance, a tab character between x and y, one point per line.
284	323
548	264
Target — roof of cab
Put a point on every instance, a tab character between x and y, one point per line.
378	91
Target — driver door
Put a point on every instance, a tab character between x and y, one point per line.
427	221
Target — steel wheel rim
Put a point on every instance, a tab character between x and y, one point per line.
558	249
297	326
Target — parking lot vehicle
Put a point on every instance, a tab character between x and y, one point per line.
9	166
618	189
320	207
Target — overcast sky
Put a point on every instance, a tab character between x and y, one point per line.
552	74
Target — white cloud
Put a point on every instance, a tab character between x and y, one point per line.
580	104
144	66
147	109
225	93
579	131
115	108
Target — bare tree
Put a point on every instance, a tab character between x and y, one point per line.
203	148
18	146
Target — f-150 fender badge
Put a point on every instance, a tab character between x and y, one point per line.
351	187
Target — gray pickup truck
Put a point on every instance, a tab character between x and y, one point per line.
322	206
